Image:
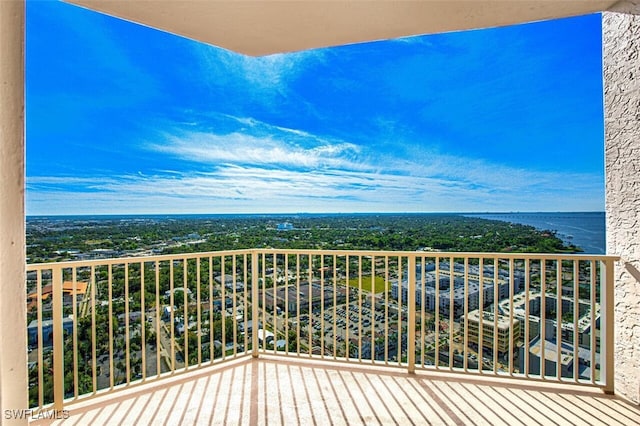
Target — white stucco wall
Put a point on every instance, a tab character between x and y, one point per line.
621	62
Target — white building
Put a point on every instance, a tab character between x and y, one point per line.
535	315
428	295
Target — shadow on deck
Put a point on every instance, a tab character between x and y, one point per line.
277	390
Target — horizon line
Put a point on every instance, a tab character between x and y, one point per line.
315	213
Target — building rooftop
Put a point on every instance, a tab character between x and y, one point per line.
488	319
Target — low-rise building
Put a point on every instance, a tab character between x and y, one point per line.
534	316
305	297
458	296
568	355
47	331
507	331
69	289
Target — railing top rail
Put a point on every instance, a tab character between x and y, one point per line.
135	259
376	253
445	254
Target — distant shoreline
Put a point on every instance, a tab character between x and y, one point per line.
584	229
276	215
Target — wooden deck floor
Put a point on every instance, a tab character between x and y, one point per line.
273	391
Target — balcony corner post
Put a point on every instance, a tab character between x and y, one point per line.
411	309
607	342
58	338
254	303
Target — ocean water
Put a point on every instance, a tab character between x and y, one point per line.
584	229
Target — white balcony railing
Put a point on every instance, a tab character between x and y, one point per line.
104	324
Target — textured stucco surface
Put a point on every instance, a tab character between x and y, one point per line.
621	66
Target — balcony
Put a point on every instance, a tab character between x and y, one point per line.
273	390
350	336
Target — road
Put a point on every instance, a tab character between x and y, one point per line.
165	344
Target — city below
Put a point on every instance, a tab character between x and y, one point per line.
174	292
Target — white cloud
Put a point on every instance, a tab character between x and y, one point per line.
242	148
262	145
276	169
254	189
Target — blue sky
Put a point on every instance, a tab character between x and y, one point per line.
121	118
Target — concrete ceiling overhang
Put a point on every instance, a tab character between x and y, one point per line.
264	27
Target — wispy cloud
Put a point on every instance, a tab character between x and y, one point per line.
266	77
239	148
263	145
225	139
251	188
